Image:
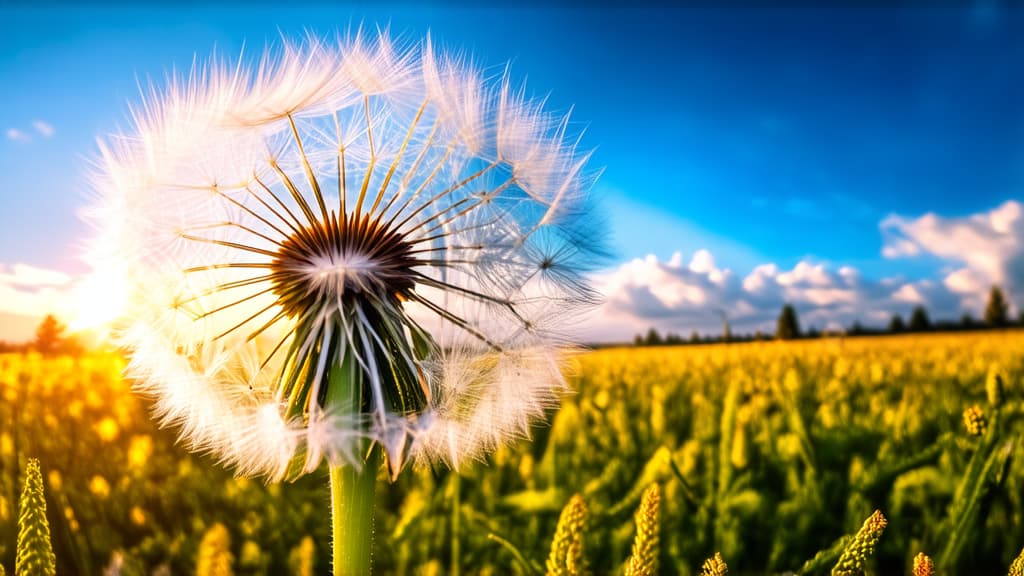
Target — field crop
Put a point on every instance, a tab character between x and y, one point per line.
767	453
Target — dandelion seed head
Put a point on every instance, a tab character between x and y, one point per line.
346	243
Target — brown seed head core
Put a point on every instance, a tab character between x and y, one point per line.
342	261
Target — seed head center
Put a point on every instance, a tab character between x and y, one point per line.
342	261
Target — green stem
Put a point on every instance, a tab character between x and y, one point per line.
456	512
352	496
352	488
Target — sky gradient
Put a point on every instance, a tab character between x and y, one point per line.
853	161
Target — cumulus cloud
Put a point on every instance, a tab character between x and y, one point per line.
983	249
681	295
45	129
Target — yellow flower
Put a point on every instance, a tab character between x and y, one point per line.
56	481
714	566
856	553
644	560
107	429
138	516
975	421
99	486
139	451
923	565
567	546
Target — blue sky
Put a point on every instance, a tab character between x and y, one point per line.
763	136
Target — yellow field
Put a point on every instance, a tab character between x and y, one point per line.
766	452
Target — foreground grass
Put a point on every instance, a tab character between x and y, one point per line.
767	453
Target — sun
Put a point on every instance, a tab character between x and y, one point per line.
98	300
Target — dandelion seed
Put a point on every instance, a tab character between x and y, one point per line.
350	244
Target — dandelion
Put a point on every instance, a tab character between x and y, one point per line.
353	252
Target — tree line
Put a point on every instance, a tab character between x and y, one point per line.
787	325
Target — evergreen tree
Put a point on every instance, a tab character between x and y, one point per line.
896	324
653	338
996	311
919	321
35	553
966	321
49	335
788	325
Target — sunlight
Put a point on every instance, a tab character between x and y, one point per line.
97	301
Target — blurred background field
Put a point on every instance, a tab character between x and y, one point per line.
765	451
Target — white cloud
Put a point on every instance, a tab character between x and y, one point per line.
44	128
987	248
32	292
673	296
24	275
16	135
981	249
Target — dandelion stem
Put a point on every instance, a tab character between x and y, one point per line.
353	488
352	494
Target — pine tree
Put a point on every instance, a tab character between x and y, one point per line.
896	324
919	321
35	554
653	338
49	335
996	311
788	326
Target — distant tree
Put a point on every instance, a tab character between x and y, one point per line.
694	337
49	335
856	329
813	332
653	338
726	328
896	324
638	340
672	338
919	321
788	325
996	311
966	321
51	338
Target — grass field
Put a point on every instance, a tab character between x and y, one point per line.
765	452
